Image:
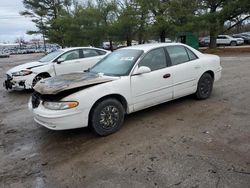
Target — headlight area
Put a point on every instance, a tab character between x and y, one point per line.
22	73
63	105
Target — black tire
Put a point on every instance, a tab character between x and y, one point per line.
205	87
38	78
107	117
233	43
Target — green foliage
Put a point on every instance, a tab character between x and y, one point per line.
216	12
70	23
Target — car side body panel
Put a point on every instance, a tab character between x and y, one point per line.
51	68
139	91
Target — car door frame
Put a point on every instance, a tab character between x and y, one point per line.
55	60
186	86
93	58
170	87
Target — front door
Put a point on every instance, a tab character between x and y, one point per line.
154	87
71	62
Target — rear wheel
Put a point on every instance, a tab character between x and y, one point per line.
233	43
107	117
205	86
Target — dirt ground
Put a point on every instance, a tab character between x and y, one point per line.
183	143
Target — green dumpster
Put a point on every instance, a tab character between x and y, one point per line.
188	38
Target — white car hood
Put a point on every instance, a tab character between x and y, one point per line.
26	66
55	85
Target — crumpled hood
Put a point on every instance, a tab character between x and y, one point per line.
26	66
64	82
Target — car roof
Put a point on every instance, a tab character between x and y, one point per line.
74	48
224	36
147	47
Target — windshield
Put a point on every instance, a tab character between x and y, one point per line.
118	63
51	56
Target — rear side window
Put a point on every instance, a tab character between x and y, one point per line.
71	55
177	54
191	55
90	53
221	37
100	52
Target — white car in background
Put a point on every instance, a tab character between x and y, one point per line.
59	62
125	81
228	40
4	53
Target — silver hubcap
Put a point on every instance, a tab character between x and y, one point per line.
205	87
109	117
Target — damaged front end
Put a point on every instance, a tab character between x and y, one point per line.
8	82
13	83
56	88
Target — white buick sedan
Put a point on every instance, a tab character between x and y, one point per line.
63	61
125	81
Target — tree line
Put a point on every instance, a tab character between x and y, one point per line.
78	23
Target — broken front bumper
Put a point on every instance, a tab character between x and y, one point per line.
10	84
7	84
17	82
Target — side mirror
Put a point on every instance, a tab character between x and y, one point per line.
60	60
142	70
87	70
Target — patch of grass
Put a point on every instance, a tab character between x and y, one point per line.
225	50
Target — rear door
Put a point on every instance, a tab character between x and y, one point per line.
91	57
185	67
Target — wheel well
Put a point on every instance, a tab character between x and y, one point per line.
118	97
44	74
210	72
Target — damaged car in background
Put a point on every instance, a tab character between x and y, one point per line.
125	81
59	62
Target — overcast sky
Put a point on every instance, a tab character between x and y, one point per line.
12	25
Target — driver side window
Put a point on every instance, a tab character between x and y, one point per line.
155	59
71	55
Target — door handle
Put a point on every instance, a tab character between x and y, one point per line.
197	67
166	75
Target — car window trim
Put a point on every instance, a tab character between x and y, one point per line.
55	60
151	51
168	63
81	53
168	59
130	71
99	52
192	53
185	51
93	49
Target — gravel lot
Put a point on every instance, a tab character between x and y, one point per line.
183	143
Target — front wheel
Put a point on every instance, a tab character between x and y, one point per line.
38	78
107	117
205	86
